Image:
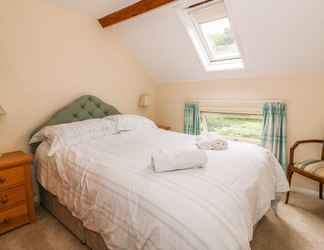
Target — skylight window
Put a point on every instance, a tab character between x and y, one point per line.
220	40
211	32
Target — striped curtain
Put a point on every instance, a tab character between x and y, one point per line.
274	130
192	119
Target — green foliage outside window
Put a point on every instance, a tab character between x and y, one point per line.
235	126
223	39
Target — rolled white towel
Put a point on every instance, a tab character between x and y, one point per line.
211	142
163	161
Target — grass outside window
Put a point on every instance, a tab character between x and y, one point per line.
245	127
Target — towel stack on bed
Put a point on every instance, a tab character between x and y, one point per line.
164	160
211	141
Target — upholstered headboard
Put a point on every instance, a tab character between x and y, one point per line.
84	108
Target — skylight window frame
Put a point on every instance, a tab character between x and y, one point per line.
201	43
207	46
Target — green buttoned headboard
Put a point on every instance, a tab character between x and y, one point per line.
84	108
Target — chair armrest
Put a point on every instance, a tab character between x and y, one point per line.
306	141
292	149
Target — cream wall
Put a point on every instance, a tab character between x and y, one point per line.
304	96
48	57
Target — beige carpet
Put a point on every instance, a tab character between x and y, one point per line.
299	226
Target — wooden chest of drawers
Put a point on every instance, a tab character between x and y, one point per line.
16	195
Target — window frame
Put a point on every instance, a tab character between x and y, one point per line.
201	45
204	41
204	125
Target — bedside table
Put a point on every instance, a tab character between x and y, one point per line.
16	194
164	127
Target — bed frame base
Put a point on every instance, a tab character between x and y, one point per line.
87	237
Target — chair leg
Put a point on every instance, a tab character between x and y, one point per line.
321	191
287	197
289	176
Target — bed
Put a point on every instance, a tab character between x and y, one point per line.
104	191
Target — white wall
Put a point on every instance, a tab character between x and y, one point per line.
304	95
48	57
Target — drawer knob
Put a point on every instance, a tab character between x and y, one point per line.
2	180
4	221
4	199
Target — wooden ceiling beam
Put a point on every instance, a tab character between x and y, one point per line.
130	11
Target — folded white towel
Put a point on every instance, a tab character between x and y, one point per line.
163	161
211	142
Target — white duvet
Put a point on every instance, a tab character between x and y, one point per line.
108	184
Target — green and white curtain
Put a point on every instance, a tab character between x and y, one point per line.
274	130
192	119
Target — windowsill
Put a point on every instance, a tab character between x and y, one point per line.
238	139
235	64
243	140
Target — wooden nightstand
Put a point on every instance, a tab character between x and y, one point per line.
16	194
164	127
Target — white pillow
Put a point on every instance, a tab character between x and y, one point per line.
131	122
73	133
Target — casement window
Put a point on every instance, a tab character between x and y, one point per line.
241	127
235	120
210	29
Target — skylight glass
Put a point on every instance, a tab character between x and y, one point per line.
220	40
210	29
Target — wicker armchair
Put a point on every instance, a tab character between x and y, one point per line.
313	169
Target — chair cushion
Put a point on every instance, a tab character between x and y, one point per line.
315	167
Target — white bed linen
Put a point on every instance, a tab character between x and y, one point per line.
108	184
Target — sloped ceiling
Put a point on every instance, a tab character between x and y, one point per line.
276	37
